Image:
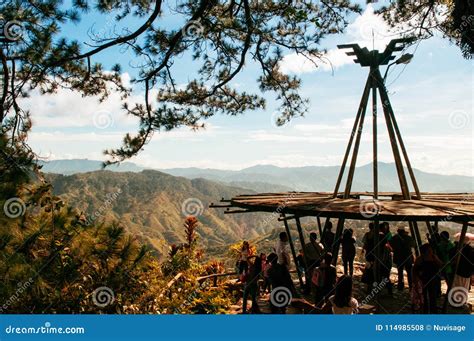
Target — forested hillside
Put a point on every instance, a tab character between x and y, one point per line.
152	205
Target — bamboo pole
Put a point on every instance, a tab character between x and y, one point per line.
337	240
393	142
362	105
374	137
293	252
355	152
320	228
302	243
376	250
418	237
404	151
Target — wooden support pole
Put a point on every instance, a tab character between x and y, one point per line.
413	235
320	228
326	223
418	236
432	233
355	152
396	153
362	106
456	266
293	252
302	243
403	149
337	240
377	248
374	137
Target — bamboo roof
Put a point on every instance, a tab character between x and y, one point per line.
389	206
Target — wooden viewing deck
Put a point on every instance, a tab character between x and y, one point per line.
389	206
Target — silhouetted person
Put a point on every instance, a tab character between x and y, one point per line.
402	245
444	249
348	251
243	258
279	276
251	285
342	302
368	243
462	277
425	270
282	250
324	279
328	237
385	261
313	252
385	228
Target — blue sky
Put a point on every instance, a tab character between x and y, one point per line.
432	98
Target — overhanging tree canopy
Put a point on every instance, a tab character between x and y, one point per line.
222	36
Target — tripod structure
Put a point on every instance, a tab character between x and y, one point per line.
375	86
347	204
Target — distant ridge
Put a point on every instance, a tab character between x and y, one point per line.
74	166
266	178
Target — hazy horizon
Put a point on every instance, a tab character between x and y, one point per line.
240	169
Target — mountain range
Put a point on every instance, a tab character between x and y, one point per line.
152	206
269	178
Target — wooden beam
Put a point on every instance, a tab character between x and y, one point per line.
376	250
302	243
387	108
283	218
374	138
212	205
319	227
362	106
404	152
337	240
355	152
293	252
236	211
418	236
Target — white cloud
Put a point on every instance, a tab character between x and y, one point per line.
67	108
368	30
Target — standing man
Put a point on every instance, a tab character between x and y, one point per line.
328	237
402	245
313	252
282	250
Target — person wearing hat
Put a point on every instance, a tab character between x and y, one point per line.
402	245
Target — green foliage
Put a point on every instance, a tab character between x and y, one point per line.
220	36
213	301
53	260
453	18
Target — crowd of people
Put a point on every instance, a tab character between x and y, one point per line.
261	273
436	262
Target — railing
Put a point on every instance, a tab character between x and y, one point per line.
215	277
